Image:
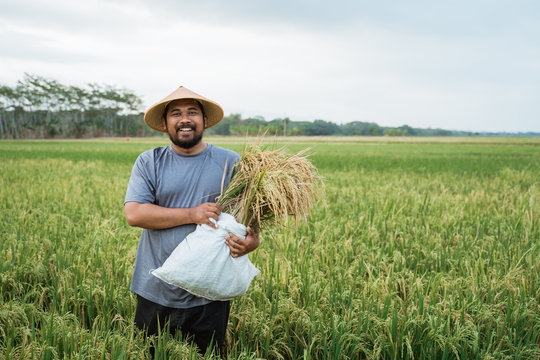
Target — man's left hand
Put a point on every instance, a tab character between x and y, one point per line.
239	246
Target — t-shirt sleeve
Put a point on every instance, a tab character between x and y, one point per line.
141	187
233	165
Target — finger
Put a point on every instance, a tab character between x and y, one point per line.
213	215
215	208
234	246
252	231
236	253
211	224
232	250
237	241
236	238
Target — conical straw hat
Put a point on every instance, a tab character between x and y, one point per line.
154	115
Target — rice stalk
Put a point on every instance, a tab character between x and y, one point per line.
269	186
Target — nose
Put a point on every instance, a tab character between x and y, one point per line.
184	118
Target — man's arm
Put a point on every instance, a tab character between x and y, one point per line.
150	216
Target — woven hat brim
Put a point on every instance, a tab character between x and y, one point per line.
154	115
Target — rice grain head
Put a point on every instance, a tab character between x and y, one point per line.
269	186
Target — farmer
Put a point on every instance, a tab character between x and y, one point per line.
171	190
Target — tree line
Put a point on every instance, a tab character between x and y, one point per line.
37	107
234	124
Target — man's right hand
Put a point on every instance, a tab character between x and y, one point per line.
201	214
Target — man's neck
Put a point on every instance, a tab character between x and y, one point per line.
192	150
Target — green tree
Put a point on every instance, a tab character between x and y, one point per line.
41	107
321	127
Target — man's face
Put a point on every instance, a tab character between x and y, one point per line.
185	123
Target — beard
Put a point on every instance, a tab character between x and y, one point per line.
188	143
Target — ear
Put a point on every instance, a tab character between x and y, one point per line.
205	121
163	123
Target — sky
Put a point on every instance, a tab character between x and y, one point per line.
460	65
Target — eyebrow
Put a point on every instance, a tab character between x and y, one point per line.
189	108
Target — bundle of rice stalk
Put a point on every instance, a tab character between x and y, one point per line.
269	186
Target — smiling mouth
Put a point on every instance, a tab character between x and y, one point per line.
185	130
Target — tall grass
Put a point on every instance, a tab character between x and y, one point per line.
423	250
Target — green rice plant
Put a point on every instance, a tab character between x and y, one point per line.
426	248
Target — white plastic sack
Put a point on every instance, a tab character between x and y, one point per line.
203	266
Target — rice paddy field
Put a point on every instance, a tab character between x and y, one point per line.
418	249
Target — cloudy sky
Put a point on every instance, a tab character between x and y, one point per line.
464	65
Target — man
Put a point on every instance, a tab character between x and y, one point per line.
171	190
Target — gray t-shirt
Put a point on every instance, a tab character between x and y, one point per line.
166	178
